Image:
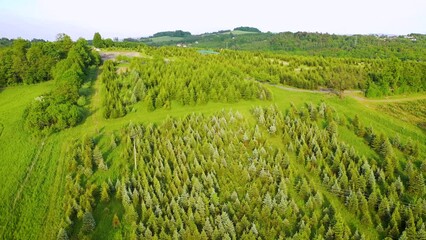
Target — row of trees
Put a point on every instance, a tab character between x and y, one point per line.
247	29
189	79
59	109
26	62
409	47
31	62
375	77
4	42
177	33
128	43
84	158
378	77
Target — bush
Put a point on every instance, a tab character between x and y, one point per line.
61	108
49	114
81	101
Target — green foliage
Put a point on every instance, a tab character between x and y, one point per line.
47	114
62	235
305	171
189	184
187	80
60	109
4	42
352	178
97	40
89	223
177	33
247	29
31	62
410	112
410	47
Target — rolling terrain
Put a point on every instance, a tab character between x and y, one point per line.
263	160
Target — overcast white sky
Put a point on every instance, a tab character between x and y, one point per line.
136	18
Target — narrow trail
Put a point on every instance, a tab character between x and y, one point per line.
28	174
1	128
292	89
390	100
96	104
352	94
114	54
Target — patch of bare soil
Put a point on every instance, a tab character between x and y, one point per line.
114	55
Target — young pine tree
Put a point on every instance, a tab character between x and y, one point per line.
89	223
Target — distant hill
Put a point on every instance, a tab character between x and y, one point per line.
177	33
409	47
247	29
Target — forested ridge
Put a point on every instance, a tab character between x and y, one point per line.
407	47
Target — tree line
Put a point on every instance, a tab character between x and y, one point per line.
375	77
247	29
177	33
62	107
189	78
25	62
409	47
228	77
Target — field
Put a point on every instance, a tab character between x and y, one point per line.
41	175
165	39
28	168
238	32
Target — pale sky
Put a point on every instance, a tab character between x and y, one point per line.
132	18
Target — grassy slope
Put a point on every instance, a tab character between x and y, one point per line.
43	188
411	112
18	151
165	39
15	143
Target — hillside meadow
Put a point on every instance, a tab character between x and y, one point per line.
174	144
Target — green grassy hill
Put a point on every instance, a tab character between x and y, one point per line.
37	174
165	39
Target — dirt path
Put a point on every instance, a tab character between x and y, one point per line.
291	89
96	104
115	54
28	173
353	94
389	100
